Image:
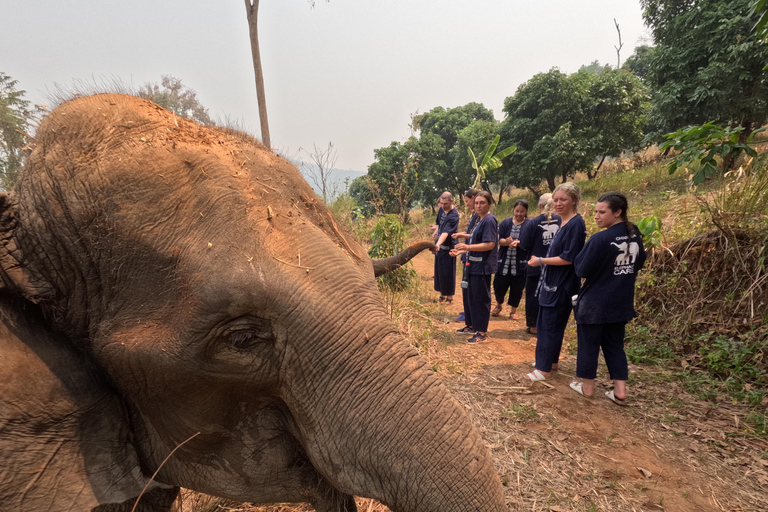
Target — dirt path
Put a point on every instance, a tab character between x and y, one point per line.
557	451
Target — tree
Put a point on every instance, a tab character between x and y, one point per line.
639	62
444	126
707	65
252	14
320	169
17	116
176	97
543	121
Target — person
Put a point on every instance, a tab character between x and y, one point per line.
558	281
469	200
445	265
512	260
609	264
482	259
535	238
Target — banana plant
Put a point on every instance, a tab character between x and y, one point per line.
488	161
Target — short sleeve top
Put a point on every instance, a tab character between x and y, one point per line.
484	262
447	223
559	282
609	263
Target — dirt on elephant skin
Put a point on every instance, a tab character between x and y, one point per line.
557	451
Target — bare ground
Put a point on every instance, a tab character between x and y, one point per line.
557	451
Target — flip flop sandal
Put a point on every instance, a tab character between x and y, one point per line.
535	376
612	397
579	388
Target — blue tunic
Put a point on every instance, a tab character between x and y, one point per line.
560	281
536	236
470	227
447	223
521	255
609	263
484	262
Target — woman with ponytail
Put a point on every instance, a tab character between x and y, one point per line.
609	263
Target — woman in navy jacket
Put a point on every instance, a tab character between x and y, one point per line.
558	282
513	260
535	238
609	263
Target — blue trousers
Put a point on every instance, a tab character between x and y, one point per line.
515	285
477	303
609	337
550	329
531	301
445	273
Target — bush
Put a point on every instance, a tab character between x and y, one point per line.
388	239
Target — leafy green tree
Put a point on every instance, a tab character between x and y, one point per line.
595	67
476	136
176	97
639	62
447	124
707	65
17	115
543	120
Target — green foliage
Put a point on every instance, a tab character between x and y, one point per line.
489	159
650	228
707	64
639	62
703	144
456	129
17	117
562	123
388	239
176	97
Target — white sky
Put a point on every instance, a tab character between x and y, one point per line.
350	72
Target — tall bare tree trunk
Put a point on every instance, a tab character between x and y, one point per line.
252	11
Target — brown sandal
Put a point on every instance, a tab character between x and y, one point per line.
496	310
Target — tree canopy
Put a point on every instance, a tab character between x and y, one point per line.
176	97
17	115
707	64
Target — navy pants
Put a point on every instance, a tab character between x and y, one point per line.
477	303
515	285
550	329
531	300
445	273
609	337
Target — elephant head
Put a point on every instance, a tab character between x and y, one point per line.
176	287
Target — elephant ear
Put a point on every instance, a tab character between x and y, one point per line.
14	276
64	434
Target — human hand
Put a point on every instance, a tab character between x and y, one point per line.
534	261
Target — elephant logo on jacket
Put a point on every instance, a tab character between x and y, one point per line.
628	254
549	232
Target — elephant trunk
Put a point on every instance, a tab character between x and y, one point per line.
385	265
391	431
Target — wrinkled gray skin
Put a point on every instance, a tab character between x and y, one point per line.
161	279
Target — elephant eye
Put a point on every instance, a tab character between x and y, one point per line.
243	339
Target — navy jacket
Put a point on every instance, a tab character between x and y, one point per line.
484	262
609	263
505	228
536	236
559	282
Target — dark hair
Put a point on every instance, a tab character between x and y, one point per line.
521	202
470	192
618	201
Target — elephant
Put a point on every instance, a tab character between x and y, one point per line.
179	309
623	257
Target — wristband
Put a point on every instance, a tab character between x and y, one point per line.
539	261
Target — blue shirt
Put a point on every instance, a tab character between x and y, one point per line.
609	263
559	282
536	236
484	262
470	226
447	223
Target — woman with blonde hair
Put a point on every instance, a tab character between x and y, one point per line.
558	281
535	238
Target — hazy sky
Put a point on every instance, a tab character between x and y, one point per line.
350	72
